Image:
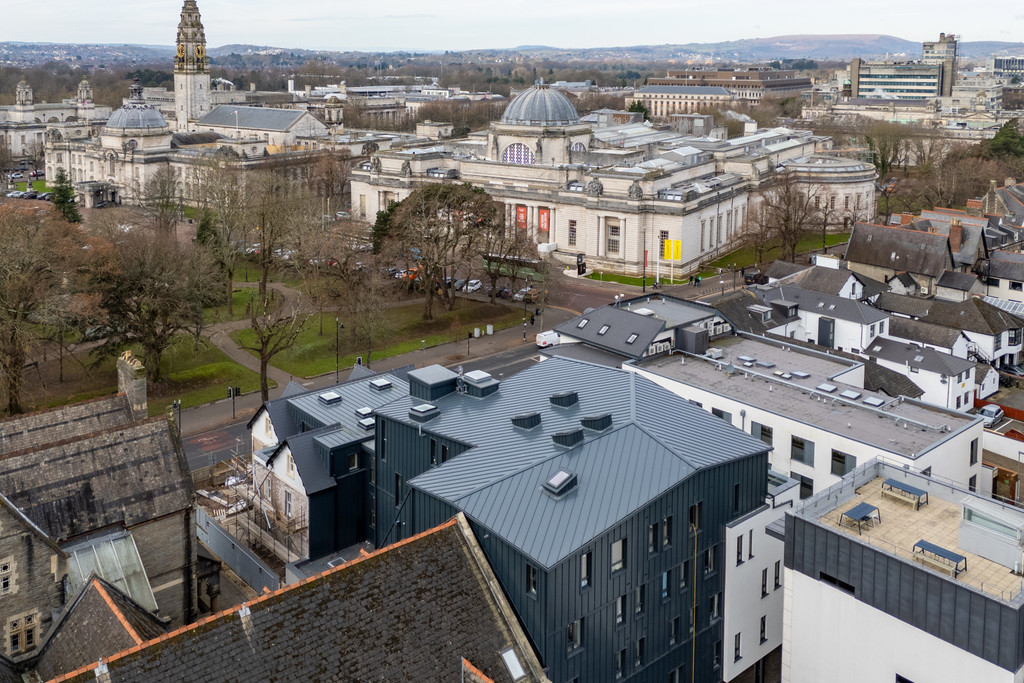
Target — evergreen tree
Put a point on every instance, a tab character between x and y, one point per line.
638	106
64	198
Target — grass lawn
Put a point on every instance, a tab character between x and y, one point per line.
630	280
313	354
240	299
744	258
37	185
197	375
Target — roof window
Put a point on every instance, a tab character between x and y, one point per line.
560	483
632	338
329	397
604	328
583	323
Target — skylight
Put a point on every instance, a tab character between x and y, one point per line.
560	482
329	397
515	669
583	323
632	338
876	347
604	328
918	359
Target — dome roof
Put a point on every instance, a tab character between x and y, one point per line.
540	106
136	113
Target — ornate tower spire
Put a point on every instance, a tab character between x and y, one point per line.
191	69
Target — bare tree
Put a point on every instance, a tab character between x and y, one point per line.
160	199
275	331
787	209
503	250
218	188
888	144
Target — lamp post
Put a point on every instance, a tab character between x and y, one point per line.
338	327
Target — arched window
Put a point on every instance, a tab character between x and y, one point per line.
518	153
578	147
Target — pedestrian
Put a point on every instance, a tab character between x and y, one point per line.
698	280
691	281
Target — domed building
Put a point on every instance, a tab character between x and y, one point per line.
539	126
136	125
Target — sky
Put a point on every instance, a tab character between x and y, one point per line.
464	24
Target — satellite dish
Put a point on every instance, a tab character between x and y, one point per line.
729	369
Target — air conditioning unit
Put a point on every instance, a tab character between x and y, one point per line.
714	354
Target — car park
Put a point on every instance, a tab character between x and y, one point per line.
46	196
992	414
29	194
14	194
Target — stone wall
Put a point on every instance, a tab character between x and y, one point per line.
167	547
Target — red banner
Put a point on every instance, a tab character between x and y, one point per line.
543	219
521	217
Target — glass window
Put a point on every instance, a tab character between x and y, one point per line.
763	432
639	597
652	538
433	451
620	609
639	659
778	573
739	550
736	648
666	582
802	450
572	233
842	463
574	634
614	234
618	555
531	580
764	582
722	414
974	451
586	564
714	606
764	628
666	532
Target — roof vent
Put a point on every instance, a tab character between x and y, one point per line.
598	423
364	412
330	397
380	384
479	383
560	483
526	420
826	387
367	423
568	439
565	399
424	412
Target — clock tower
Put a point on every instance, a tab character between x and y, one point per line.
191	69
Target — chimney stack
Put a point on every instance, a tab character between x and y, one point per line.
956	235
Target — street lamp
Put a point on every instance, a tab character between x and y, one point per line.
338	327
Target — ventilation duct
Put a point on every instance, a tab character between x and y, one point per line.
598	423
565	399
569	438
526	421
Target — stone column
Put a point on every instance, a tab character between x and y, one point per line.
602	241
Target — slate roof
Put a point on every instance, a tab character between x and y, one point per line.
1007	265
904	305
735	308
825	304
972	232
584	352
917	357
923	332
503	457
899	248
256	118
962	282
610	328
66	422
410	612
99	622
124	475
780	269
206	137
973	315
305	451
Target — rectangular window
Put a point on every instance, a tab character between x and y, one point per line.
531	580
652	538
722	415
666	582
574	635
972	483
1016	286
764	582
739	550
997	341
6	575
763	432
444	453
620	609
838	583
666	532
714	606
639	596
613	237
709	560
806	485
695	511
353	461
750	545
716	654
662	238
620	663
673	631
736	649
778	574
382	439
974	451
618	555
842	463
736	497
638	660
398	489
802	450
287	504
684	574
586	564
764	628
572	233
433	451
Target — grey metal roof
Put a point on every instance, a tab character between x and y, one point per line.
584	352
311	466
825	304
960	281
899	248
684	90
136	113
258	118
540	105
611	328
780	269
917	357
502	455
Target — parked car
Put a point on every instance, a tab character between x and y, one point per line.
992	413
473	286
15	194
29	194
46	196
527	294
459	284
342	214
17	175
1014	370
503	293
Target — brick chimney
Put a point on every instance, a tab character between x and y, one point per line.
956	235
131	381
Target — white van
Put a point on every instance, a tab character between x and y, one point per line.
547	338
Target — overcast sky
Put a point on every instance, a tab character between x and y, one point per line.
462	24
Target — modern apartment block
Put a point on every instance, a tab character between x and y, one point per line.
933	76
891	575
608	507
752	83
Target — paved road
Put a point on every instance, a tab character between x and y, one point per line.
216	445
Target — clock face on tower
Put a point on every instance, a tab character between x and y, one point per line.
200	51
181	50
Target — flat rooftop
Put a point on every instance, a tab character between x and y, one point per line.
937	522
907	427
